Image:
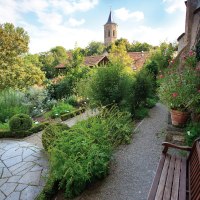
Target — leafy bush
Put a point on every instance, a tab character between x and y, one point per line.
60	109
192	133
35	99
20	122
72	100
141	113
82	154
65	87
51	133
11	103
108	85
151	102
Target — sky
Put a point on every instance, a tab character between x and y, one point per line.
71	23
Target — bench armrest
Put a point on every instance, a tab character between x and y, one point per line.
167	145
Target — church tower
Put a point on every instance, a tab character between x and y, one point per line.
110	31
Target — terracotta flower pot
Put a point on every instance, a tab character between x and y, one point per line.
179	118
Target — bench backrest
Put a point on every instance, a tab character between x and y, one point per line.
194	171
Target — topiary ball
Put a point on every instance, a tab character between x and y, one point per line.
51	133
20	122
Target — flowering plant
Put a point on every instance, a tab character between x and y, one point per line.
179	89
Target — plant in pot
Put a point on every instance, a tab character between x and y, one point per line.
178	90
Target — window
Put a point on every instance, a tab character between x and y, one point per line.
114	33
109	33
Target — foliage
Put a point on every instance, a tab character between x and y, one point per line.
141	89
198	51
36	98
76	59
20	122
82	154
52	58
51	133
190	59
72	114
95	48
107	85
11	103
61	108
163	55
14	70
192	133
65	87
138	47
4	126
179	88
6	133
141	113
72	100
118	54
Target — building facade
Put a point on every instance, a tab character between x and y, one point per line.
191	37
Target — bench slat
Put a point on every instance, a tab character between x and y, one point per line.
182	187
161	186
168	186
155	183
175	187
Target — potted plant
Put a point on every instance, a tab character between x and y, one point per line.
178	90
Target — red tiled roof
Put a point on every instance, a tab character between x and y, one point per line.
60	66
139	59
93	60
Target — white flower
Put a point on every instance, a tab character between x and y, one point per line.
36	122
56	114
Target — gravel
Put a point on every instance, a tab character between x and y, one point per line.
133	166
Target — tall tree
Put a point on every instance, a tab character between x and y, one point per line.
14	71
95	48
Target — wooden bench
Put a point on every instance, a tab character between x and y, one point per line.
177	178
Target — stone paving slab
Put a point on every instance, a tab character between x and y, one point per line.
22	167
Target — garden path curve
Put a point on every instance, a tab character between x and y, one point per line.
24	164
134	165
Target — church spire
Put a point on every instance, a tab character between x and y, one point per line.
110	18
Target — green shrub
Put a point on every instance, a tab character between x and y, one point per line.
151	102
20	134
192	132
51	133
60	109
20	122
11	103
72	100
72	114
82	154
141	113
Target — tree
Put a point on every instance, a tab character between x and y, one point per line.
59	54
163	54
77	58
118	54
95	48
14	70
138	47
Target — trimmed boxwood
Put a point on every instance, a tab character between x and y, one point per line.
20	134
20	122
72	114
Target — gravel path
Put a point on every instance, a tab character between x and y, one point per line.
134	165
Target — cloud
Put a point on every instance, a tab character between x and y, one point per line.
71	6
155	35
75	22
124	14
174	5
